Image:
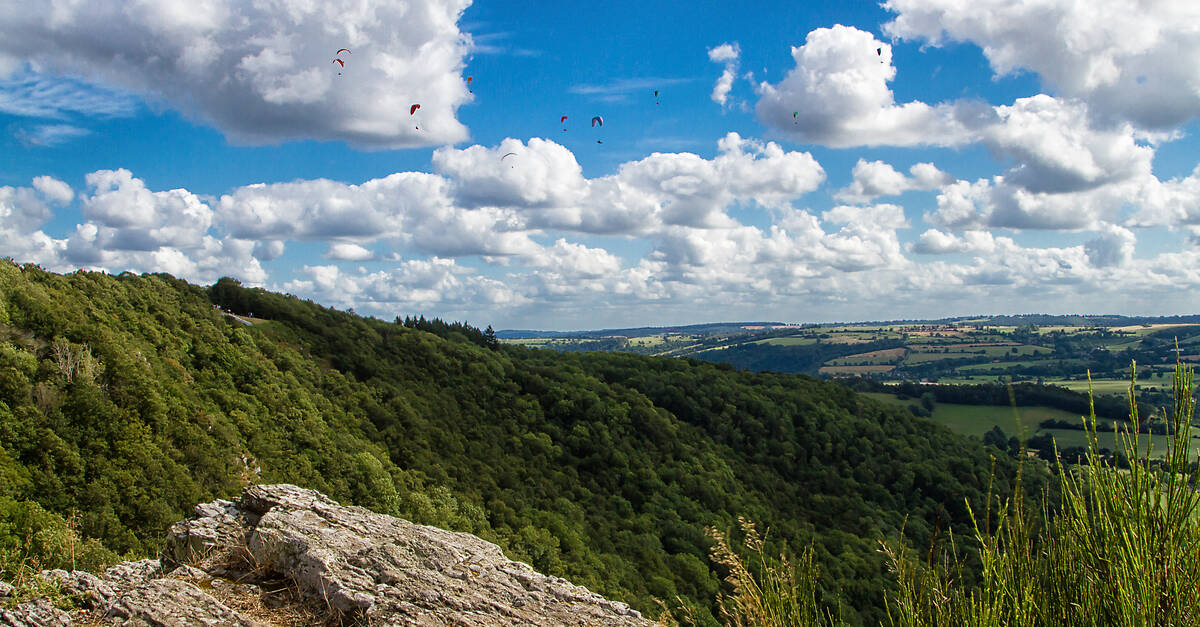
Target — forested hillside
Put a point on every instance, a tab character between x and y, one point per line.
126	399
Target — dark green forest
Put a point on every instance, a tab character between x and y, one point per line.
125	400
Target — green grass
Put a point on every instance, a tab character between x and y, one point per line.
924	358
1118	546
1099	386
977	420
1004	365
975	379
788	341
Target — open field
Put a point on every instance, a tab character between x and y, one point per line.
977	350
836	370
976	420
788	341
648	340
1143	329
1099	386
885	355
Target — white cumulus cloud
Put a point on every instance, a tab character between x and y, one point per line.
728	55
261	71
837	95
1131	61
1055	149
873	179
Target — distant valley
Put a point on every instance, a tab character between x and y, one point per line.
1055	350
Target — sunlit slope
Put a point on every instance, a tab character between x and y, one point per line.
129	398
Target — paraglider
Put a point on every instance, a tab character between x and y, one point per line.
469	79
341	63
511	154
413	109
563	121
795	114
655	97
341	50
597	121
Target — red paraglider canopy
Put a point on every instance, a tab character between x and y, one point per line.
413	109
340	62
341	50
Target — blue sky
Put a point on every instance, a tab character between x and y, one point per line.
843	161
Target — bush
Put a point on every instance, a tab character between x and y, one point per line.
1120	546
33	539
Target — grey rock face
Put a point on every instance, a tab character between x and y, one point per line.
345	563
34	613
173	603
394	572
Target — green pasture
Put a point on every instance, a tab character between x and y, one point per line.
914	357
975	379
533	341
1099	386
885	356
1000	365
1066	438
855	369
788	341
976	420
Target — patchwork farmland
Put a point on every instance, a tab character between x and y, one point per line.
1059	350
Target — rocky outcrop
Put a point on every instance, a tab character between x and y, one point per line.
285	555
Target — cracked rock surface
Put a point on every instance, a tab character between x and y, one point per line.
344	564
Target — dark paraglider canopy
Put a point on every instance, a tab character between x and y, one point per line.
341	50
413	109
597	121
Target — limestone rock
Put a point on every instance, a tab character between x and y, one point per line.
285	549
34	613
394	572
174	603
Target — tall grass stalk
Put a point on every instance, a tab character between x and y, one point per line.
764	592
1120	546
